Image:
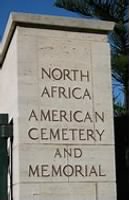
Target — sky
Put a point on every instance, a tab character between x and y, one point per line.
45	7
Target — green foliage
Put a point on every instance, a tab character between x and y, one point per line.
106	9
120	60
119	109
120	69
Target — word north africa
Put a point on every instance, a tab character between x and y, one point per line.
65	74
66	93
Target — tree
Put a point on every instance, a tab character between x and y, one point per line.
117	11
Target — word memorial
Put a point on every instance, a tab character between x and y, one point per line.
67	170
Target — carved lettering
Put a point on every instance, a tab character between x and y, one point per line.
68	170
65	134
55	115
65	74
76	93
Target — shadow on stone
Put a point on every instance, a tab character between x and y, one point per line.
122	157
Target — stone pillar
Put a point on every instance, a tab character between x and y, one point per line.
55	82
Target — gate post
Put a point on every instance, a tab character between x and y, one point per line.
6	131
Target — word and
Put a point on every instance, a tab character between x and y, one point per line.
68	153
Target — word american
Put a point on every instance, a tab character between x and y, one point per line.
56	115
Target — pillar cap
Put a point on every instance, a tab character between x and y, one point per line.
50	22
